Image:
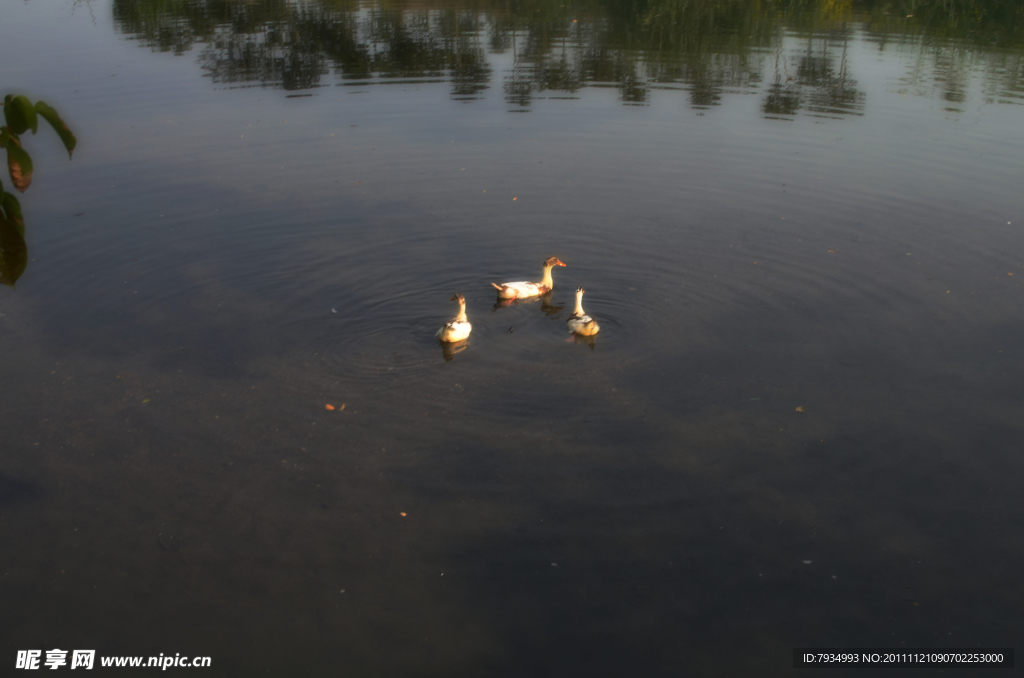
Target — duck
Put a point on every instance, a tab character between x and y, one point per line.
523	290
458	328
579	322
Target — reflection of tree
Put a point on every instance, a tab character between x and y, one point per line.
293	45
951	70
470	71
832	91
705	47
1006	80
781	100
820	81
948	43
273	56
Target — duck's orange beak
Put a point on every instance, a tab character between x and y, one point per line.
559	262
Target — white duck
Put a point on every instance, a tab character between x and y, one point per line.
458	328
522	290
579	322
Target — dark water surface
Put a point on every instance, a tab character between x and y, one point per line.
770	205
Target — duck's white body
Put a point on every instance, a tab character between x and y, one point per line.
522	289
579	322
458	328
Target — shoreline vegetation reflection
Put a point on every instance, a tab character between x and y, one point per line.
793	54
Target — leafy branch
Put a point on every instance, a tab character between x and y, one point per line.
21	116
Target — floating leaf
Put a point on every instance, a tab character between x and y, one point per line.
50	115
13	252
12	211
20	165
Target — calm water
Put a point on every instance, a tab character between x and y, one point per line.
771	206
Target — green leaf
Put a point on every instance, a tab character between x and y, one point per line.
20	165
28	112
14	116
50	115
12	210
13	252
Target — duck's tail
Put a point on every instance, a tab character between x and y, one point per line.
500	288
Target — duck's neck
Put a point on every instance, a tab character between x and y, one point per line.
547	281
461	317
579	304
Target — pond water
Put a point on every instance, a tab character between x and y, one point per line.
799	225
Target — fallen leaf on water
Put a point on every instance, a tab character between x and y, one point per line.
1009	274
146	401
515	198
330	407
402	514
831	251
800	409
342	407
